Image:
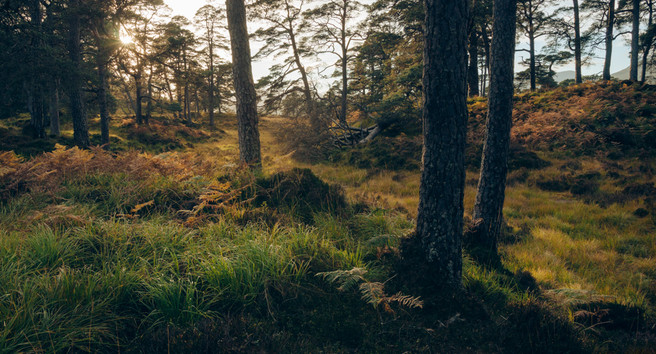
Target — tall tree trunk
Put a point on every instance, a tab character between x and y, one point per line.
486	48
179	95
169	91
74	83
635	33
342	115
609	39
36	108
34	87
149	93
310	109
196	103
54	109
577	43
647	42
486	68
488	209
472	70
343	100
247	120
210	93
102	99
531	41
138	99
187	105
439	218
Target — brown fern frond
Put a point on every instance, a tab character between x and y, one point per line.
406	300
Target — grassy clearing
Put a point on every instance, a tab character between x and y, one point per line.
181	251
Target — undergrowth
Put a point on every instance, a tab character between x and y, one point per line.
183	251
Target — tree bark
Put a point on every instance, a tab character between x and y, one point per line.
74	83
635	33
647	42
472	70
34	85
439	218
577	43
137	100
36	108
149	93
486	70
344	101
488	209
531	41
102	99
609	39
210	93
247	120
307	92
54	109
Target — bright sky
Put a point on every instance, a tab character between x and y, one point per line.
620	59
188	8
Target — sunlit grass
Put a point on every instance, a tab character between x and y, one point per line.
130	274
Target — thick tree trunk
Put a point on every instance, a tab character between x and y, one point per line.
488	210
74	83
247	120
635	33
577	43
609	39
102	99
54	109
439	218
472	70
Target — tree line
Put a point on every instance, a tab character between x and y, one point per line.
106	56
99	57
408	61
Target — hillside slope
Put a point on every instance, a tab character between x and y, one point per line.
183	251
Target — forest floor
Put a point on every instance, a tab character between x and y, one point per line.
180	250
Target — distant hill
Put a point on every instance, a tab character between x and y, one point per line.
624	74
564	75
620	75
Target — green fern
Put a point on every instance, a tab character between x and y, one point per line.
346	279
372	292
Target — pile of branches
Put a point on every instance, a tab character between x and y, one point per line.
344	136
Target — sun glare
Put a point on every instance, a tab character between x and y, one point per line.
125	37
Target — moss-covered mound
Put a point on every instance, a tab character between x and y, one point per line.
300	192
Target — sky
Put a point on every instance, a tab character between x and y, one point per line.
620	59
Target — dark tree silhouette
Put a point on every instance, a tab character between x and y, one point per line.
249	135
488	210
75	81
439	219
610	23
635	34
